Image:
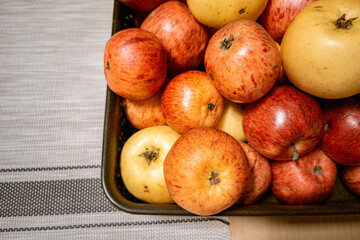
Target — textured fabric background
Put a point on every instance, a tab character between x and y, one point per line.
52	100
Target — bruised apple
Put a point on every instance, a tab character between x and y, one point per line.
284	125
206	171
310	179
135	64
243	61
145	113
190	100
260	176
184	38
231	119
141	163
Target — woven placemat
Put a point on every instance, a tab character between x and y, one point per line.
52	102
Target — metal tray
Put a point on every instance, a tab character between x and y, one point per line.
117	130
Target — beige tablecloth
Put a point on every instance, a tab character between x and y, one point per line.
52	100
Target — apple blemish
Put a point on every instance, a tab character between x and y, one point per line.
150	155
214	178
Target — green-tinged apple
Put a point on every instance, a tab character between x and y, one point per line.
141	163
206	171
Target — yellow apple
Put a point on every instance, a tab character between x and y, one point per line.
321	49
231	120
218	13
141	163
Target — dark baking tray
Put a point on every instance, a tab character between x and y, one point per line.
117	129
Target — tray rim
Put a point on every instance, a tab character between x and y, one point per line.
118	200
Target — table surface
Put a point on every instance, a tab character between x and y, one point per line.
296	227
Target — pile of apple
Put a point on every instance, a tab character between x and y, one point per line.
233	98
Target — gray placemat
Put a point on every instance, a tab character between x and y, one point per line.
52	101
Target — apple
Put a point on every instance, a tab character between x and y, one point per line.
321	49
341	140
351	178
285	124
282	79
310	179
231	119
141	163
190	100
184	38
243	61
278	14
135	63
145	113
218	13
206	171
260	176
141	5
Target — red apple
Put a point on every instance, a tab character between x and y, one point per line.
141	5
206	171
283	125
135	63
278	14
341	140
243	61
260	176
184	38
190	100
145	113
310	179
351	178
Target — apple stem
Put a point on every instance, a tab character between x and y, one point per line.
327	126
295	155
214	179
343	23
150	155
